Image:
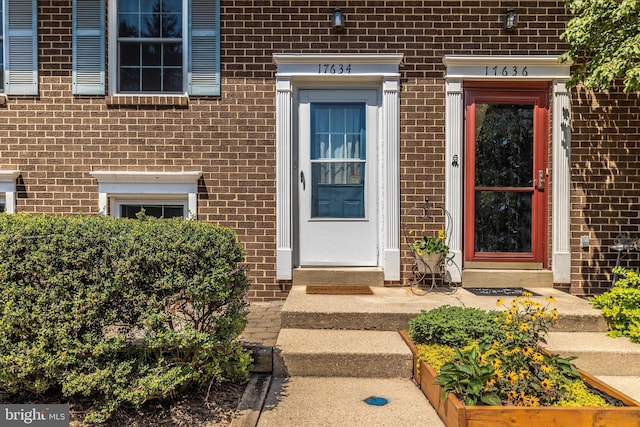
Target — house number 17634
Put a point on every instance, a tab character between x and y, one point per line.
334	68
506	71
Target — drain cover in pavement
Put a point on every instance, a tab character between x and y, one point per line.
376	401
499	292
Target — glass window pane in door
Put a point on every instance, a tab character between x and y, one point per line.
504	145
503	221
337	134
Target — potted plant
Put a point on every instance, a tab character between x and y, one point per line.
429	251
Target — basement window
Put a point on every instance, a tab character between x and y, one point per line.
160	194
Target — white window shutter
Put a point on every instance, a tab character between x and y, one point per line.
204	45
88	73
21	37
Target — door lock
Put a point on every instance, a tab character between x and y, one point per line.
302	180
540	179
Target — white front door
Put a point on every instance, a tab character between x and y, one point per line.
336	176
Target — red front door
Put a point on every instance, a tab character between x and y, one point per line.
506	175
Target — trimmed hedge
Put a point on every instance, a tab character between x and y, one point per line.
452	326
122	311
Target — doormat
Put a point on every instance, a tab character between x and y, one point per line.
339	290
499	292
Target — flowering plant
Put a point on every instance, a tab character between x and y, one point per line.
430	245
509	367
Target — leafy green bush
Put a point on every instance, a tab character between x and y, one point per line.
620	305
121	311
452	326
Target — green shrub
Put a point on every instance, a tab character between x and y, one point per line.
452	326
121	311
620	305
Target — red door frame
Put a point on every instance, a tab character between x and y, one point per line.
538	96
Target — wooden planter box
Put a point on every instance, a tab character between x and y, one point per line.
455	414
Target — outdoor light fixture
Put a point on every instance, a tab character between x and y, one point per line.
510	20
337	21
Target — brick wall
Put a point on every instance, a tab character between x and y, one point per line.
56	139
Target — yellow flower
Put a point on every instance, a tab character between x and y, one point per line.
550	299
537	358
441	234
525	374
512	377
512	395
546	384
554	314
527	351
508	335
498	373
533	401
500	301
419	251
527	294
508	319
524	327
546	369
411	232
490	383
496	363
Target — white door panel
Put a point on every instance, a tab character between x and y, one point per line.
337	141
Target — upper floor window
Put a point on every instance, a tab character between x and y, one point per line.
155	47
18	47
150	46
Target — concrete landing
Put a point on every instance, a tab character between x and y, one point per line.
328	402
390	309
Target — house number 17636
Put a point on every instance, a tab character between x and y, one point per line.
508	71
334	68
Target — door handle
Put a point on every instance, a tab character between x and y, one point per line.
541	180
302	180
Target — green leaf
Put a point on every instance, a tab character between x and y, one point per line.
491	399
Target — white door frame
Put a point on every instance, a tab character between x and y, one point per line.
355	70
510	68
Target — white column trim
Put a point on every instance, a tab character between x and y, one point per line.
454	161
561	183
391	175
284	171
8	187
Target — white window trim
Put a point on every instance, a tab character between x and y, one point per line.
304	69
113	53
8	187
540	68
168	187
115	203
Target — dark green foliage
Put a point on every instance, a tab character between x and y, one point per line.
452	326
122	311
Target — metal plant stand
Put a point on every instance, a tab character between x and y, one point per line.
428	275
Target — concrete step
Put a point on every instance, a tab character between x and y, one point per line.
314	401
597	353
389	309
629	385
349	276
487	278
342	353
